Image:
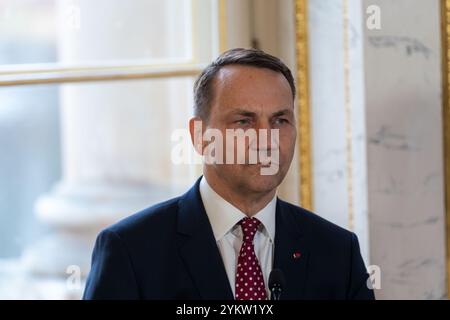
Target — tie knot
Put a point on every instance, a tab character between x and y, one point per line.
249	227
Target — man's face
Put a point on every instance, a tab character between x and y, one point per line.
250	98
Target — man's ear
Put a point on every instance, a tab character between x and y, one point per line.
196	131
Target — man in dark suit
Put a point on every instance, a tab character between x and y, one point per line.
223	237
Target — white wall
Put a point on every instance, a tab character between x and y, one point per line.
377	137
405	168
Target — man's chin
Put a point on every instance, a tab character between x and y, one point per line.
263	183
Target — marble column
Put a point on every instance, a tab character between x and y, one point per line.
338	115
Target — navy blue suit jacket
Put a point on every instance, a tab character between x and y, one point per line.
168	251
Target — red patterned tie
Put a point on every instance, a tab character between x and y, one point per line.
249	277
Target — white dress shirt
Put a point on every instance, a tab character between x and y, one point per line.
224	217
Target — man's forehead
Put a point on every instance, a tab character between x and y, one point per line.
234	71
239	81
247	89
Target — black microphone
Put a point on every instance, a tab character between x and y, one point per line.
276	284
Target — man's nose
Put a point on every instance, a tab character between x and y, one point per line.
266	139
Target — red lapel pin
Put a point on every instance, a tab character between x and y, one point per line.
296	255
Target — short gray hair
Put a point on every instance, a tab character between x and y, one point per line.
203	89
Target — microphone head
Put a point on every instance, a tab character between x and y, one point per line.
276	280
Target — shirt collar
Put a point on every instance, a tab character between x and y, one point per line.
223	216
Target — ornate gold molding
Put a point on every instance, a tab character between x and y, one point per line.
303	105
445	30
223	46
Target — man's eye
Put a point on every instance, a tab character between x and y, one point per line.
281	121
242	121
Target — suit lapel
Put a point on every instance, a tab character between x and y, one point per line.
291	252
198	248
